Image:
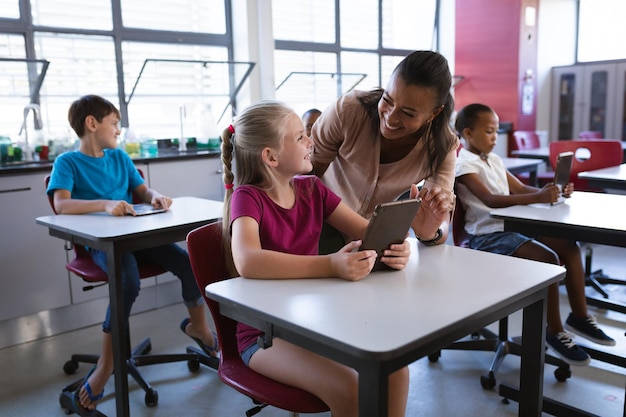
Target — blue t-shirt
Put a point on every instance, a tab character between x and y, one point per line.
110	177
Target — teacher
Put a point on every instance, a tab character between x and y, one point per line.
370	147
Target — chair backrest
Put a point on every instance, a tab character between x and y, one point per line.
590	134
208	262
588	155
459	234
525	139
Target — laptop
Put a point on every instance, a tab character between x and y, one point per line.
562	171
144	209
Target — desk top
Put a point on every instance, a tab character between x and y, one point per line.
102	226
521	163
391	311
582	210
616	173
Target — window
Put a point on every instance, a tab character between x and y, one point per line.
100	46
313	40
600	26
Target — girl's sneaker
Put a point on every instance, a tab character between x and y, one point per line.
588	328
565	348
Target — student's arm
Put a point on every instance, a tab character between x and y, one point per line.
352	224
252	261
65	204
547	194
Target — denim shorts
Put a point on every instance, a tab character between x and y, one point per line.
503	243
247	353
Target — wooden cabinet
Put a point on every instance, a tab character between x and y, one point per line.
588	96
33	277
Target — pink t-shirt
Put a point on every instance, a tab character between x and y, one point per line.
295	230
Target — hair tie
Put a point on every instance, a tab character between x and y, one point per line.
229	186
231	129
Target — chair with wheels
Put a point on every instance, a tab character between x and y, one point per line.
590	155
524	140
484	339
83	266
209	265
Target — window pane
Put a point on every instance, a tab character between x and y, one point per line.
304	20
305	79
79	65
359	23
599	21
10	9
14	85
360	63
92	14
388	64
205	16
408	24
173	94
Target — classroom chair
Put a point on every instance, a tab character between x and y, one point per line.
83	266
589	155
209	265
590	134
528	139
484	339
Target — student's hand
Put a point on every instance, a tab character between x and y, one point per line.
397	255
568	190
548	194
119	208
350	265
161	201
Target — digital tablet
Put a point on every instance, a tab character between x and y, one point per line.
389	224
144	209
562	171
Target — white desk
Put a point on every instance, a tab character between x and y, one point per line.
587	217
519	165
116	235
612	177
392	318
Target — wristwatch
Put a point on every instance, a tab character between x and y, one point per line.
434	240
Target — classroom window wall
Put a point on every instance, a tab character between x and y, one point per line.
601	30
325	48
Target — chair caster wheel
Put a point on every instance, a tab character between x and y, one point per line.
434	357
193	364
562	374
152	398
487	382
70	367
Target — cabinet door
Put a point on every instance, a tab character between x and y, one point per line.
33	276
619	127
598	99
192	177
567	86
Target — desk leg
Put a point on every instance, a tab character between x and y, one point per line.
118	327
373	391
533	345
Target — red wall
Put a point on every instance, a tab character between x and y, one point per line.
494	48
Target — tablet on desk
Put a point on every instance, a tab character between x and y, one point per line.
562	171
144	209
389	224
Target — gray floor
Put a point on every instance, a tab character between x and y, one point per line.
31	376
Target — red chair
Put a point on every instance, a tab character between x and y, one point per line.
590	134
209	265
588	155
525	140
484	339
83	266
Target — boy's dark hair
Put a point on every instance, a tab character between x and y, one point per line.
469	115
89	105
311	112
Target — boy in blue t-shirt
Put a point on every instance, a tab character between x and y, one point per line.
101	177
